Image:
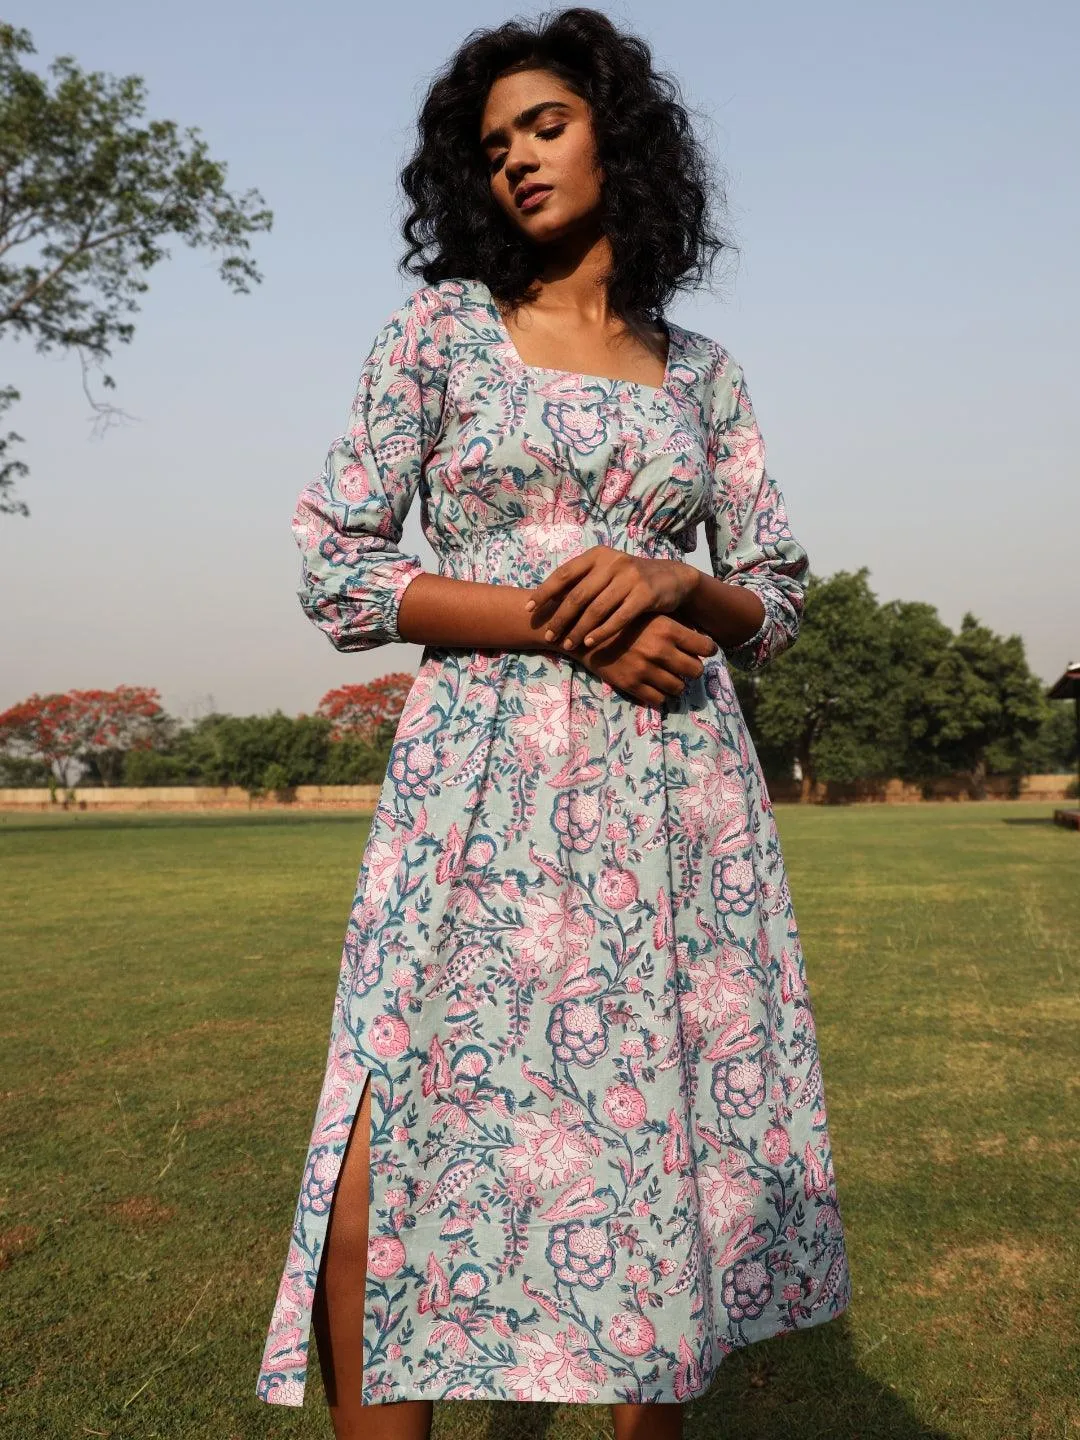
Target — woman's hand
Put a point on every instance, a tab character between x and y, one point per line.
588	600
651	659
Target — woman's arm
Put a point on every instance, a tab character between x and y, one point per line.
759	568
348	522
441	610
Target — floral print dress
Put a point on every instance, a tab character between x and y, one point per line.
599	1151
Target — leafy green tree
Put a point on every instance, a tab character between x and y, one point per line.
826	701
19	772
241	749
919	685
276	779
89	196
261	753
170	766
979	710
873	690
1055	747
359	762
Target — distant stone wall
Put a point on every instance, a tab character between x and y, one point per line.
193	797
942	787
364	798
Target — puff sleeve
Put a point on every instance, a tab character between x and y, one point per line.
348	521
750	542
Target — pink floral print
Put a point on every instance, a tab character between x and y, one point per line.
599	1146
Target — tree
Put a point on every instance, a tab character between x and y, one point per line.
89	195
259	752
82	729
113	724
966	703
356	762
875	690
920	649
24	774
39	729
110	723
1005	744
1056	745
168	766
362	712
826	701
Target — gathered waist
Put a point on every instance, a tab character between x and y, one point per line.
518	555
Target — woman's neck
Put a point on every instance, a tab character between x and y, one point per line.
573	278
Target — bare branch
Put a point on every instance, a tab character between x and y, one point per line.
106	415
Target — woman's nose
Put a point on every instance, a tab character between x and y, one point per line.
518	163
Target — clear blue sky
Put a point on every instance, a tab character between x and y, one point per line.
903	186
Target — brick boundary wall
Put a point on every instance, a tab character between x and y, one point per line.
364	798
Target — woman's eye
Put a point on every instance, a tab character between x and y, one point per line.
496	160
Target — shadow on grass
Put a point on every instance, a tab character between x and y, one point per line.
807	1384
1045	820
511	1420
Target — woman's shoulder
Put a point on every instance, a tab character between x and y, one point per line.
708	369
711	357
429	304
432	318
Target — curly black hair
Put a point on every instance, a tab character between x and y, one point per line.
658	190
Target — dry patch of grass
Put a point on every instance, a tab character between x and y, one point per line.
1060	1009
978	1067
994	1299
998	1145
999	1265
15	1241
140	1211
1056	1424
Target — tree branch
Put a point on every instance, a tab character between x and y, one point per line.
83	248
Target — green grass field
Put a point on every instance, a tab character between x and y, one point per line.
167	987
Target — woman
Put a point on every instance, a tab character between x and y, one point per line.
593	1157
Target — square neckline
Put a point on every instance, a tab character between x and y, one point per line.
508	341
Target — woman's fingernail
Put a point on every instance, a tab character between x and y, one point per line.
566	644
529	604
549	634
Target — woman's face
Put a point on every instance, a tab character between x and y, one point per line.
535	132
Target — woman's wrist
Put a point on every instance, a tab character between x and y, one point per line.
729	613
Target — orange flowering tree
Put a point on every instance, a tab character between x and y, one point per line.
359	712
80	727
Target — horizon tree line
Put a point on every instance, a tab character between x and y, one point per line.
871	691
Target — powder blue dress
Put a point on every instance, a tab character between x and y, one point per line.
600	1157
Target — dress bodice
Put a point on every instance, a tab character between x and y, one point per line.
521	467
533	464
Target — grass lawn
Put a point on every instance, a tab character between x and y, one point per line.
167	988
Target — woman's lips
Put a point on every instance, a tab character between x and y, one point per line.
534	197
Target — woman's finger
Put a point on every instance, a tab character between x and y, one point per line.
592	599
561	578
663	680
634	603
